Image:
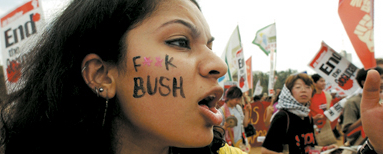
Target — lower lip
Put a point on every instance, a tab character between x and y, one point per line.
212	115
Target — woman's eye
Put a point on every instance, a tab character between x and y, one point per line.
179	42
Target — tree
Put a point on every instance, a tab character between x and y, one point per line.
264	79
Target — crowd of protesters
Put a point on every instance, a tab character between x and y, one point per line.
296	118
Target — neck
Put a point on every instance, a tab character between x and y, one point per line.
319	91
230	104
129	139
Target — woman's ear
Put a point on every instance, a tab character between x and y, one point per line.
96	75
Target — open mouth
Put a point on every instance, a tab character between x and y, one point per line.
208	110
207	101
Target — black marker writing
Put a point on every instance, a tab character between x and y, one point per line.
169	62
180	87
134	62
150	91
164	88
138	87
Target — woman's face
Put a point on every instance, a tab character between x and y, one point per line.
320	84
301	92
234	101
171	71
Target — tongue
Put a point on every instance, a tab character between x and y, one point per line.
212	115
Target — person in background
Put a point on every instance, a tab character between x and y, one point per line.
119	77
234	119
379	62
352	125
320	101
256	98
264	97
291	128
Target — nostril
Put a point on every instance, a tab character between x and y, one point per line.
213	72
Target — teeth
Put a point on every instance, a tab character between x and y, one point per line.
207	100
210	97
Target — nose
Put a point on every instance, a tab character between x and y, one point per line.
212	66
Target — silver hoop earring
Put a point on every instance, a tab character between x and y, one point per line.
95	89
83	69
106	107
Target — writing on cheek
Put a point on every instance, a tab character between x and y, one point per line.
140	89
150	86
159	61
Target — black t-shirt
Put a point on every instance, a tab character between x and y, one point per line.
299	136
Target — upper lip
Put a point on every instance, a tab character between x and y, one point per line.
217	92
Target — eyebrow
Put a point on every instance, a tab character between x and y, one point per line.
185	23
188	25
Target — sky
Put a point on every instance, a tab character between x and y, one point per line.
301	26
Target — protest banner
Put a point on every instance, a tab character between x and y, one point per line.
16	28
258	89
243	84
335	69
271	75
357	17
335	111
229	56
234	57
258	116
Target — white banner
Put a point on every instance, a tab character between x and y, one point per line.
335	111
335	69
229	56
242	76
234	58
266	38
16	28
271	75
258	89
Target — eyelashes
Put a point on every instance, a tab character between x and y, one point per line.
179	42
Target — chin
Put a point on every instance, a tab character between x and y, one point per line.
197	141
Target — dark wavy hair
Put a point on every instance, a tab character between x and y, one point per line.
233	92
55	111
315	77
361	75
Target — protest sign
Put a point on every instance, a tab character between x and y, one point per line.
335	111
16	28
258	116
242	76
233	46
258	89
335	69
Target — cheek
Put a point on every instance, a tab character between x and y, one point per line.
295	93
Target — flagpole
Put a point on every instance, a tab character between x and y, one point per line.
275	56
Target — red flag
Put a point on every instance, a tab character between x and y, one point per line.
357	17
